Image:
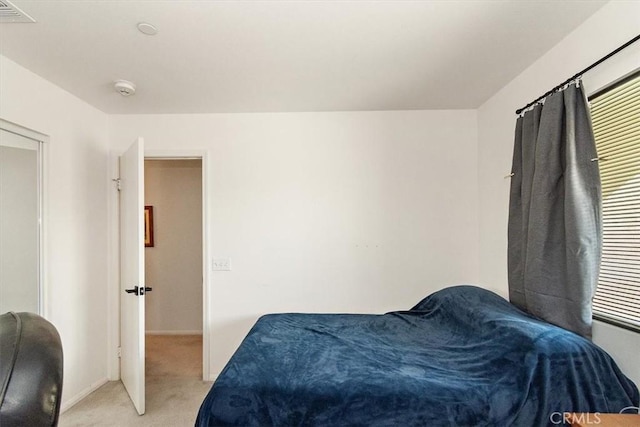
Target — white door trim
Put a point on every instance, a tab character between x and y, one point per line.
21	130
114	255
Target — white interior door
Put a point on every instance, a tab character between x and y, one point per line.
132	284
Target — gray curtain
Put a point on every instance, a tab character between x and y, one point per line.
555	228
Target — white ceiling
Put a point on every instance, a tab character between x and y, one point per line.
273	56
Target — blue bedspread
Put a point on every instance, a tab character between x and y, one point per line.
462	357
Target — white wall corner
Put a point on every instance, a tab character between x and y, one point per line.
69	403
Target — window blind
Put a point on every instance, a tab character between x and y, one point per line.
616	125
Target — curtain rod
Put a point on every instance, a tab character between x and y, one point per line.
575	76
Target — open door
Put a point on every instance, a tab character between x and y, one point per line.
132	285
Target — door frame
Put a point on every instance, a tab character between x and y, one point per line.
43	200
114	310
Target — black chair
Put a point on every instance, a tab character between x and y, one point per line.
30	371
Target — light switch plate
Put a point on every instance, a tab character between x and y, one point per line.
221	264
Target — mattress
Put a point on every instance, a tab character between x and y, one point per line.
463	356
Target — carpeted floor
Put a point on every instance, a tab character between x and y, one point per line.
174	389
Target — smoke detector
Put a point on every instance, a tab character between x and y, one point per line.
124	87
10	13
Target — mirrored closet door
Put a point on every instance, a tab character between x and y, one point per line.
20	223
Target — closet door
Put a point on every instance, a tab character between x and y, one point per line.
20	209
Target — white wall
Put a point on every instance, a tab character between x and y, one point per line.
327	212
76	218
173	266
616	23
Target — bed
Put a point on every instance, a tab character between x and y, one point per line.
463	356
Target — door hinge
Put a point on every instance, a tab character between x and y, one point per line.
118	183
119	352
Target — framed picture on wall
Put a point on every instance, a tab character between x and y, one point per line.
148	226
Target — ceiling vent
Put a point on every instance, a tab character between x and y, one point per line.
9	13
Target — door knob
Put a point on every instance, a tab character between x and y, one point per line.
138	290
135	290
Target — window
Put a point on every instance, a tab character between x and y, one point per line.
615	113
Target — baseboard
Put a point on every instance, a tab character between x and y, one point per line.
68	403
173	332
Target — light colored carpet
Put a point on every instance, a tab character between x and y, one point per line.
174	389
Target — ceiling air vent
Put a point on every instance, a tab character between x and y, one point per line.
9	13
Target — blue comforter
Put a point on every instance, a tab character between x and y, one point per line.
462	357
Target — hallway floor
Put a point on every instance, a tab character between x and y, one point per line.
174	389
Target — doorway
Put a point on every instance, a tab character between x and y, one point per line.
129	167
174	267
